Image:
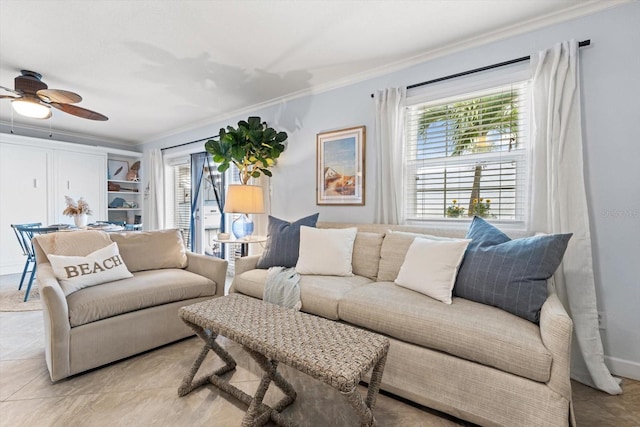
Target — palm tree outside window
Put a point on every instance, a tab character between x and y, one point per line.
467	156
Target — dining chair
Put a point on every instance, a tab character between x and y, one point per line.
27	233
23	245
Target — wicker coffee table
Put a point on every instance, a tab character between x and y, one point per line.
336	354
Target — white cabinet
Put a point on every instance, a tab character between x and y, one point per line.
24	183
35	175
80	175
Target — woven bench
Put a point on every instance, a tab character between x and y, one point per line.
336	354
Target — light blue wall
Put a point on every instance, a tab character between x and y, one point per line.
610	98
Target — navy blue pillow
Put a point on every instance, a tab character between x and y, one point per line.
283	242
509	274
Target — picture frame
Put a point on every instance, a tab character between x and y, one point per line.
340	167
117	170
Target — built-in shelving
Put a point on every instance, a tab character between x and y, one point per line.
130	191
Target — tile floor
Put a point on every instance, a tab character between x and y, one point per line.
142	391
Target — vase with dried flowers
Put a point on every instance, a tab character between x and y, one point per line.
78	210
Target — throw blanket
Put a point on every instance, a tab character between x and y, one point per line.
283	287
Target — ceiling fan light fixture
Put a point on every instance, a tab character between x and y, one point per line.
31	108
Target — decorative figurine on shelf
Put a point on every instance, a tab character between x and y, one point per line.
118	202
132	175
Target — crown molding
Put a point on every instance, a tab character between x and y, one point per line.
61	135
583	9
579	10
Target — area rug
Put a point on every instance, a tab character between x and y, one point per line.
12	300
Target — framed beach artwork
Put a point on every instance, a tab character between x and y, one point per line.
340	167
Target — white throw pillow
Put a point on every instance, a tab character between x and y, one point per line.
326	251
431	266
78	272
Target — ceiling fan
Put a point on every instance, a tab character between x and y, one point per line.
33	98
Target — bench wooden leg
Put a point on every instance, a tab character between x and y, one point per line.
188	384
376	379
364	408
256	415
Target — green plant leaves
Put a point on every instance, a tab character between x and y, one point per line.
254	122
253	147
281	137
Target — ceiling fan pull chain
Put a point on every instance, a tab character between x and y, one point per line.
11	121
50	131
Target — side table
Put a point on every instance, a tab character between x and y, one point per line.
244	242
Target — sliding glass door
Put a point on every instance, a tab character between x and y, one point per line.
198	195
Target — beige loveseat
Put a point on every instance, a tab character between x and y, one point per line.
100	324
474	361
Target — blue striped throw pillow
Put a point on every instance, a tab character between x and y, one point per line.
509	274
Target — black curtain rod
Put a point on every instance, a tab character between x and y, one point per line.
477	70
191	142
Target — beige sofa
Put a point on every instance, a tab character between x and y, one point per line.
103	323
473	361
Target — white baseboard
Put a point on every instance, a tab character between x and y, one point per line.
11	269
623	368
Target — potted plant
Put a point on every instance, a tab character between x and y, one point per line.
78	211
253	147
481	208
455	210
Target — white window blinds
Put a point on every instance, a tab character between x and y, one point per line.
182	200
467	155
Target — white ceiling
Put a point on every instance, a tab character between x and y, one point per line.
157	67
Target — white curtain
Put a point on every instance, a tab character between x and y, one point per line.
389	129
261	221
559	203
154	190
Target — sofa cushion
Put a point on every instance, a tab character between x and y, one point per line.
78	272
393	251
431	266
465	329
326	251
366	254
73	243
283	242
151	250
144	289
510	274
250	282
319	294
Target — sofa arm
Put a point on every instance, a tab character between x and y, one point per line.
57	330
209	267
556	328
246	263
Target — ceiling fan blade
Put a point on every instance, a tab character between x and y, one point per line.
9	96
60	96
80	112
14	93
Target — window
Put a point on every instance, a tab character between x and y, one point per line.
467	156
180	172
182	200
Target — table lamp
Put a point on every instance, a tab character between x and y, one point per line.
245	200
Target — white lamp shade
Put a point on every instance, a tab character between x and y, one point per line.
31	108
246	199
